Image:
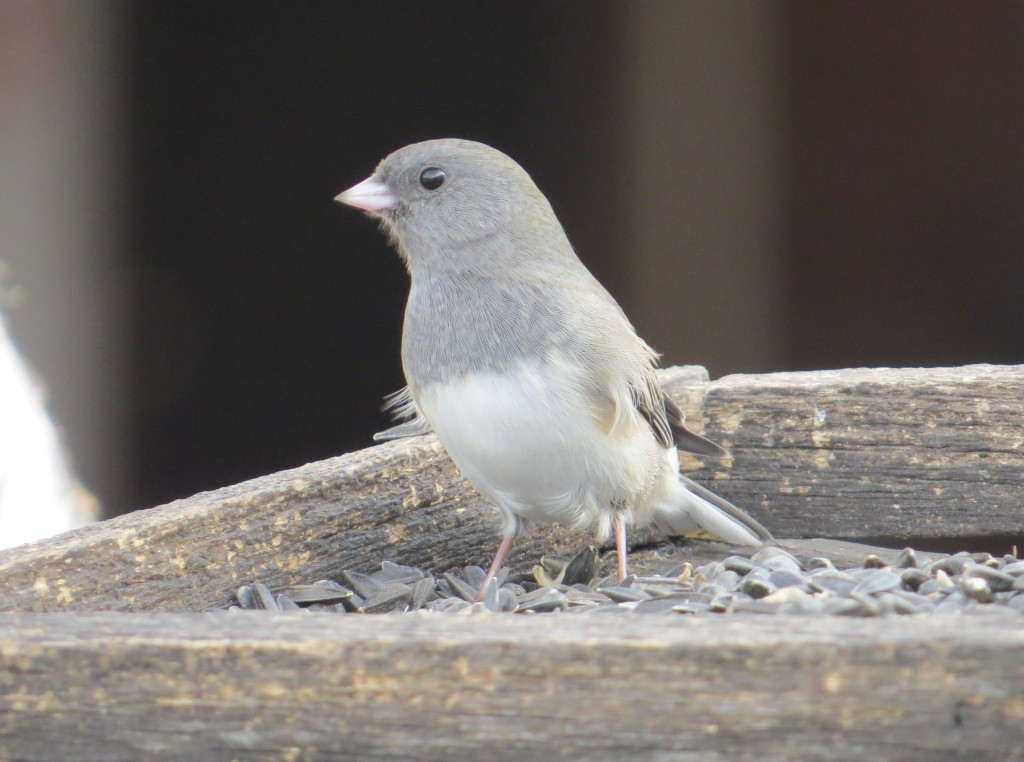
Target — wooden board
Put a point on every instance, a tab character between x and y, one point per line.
921	452
843	454
255	686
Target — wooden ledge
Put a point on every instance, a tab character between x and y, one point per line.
935	452
504	687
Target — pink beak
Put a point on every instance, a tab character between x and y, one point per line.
371	194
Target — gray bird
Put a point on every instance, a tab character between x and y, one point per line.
523	364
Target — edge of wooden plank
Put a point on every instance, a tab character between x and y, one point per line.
454	687
404	500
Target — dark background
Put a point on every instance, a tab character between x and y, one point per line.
268	322
763	185
268	329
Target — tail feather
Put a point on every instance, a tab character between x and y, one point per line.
693	506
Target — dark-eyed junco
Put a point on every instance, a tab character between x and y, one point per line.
523	364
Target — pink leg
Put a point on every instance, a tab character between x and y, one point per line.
620	545
499	560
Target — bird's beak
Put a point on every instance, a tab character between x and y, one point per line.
371	194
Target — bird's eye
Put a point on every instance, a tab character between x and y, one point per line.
432	178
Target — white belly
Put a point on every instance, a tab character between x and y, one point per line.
538	449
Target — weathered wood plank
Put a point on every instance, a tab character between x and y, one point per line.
920	452
278	687
927	453
401	500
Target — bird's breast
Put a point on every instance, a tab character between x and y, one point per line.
455	326
530	438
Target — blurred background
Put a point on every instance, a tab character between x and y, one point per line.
763	185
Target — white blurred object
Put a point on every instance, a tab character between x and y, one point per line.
61	229
38	495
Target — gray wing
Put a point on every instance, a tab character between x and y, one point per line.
664	416
668	422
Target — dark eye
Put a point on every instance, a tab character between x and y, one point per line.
432	178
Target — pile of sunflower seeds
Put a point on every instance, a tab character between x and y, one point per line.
772	581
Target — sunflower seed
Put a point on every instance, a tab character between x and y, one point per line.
738	564
623	594
264	598
245	597
880	581
362	584
998	582
907	559
776	558
287	604
771	582
422	589
309	594
463	590
475	576
582	568
542	599
392	572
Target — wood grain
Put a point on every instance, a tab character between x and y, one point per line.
842	454
922	452
255	686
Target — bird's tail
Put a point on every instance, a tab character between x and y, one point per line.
687	506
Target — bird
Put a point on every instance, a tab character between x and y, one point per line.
531	375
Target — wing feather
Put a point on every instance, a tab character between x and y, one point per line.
667	421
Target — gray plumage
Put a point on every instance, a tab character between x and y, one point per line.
521	362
